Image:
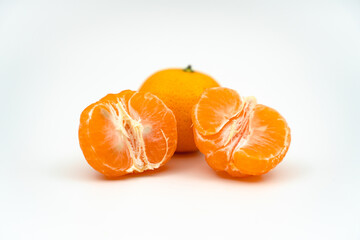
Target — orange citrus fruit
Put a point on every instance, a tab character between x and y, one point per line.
180	89
237	135
127	132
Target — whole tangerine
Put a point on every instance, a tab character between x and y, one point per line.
180	89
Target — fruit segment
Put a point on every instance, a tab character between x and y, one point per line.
127	132
237	135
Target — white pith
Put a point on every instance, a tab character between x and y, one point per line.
242	119
131	134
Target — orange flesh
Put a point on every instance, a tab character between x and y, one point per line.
237	135
127	132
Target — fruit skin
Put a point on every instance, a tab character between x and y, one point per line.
180	89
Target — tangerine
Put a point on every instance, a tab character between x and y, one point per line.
127	132
237	135
180	89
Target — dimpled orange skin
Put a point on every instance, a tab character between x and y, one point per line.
180	89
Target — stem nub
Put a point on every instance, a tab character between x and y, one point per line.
188	69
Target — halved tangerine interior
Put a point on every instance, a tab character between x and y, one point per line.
237	135
127	132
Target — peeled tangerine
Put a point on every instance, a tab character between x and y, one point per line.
237	135
127	132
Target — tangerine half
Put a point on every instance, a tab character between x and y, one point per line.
127	132
237	135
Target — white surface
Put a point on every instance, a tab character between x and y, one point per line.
300	57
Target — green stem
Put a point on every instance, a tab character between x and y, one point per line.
188	69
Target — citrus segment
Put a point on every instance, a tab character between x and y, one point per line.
151	111
223	107
267	143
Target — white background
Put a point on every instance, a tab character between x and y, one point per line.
299	57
